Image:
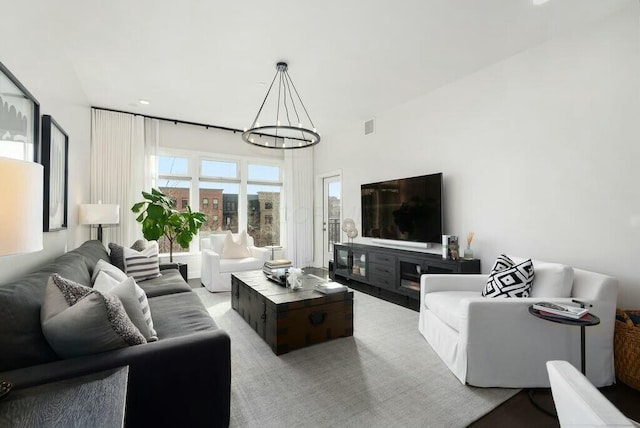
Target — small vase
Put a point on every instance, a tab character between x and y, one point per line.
468	253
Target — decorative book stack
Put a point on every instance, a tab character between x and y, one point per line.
277	270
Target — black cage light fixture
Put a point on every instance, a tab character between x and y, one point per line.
293	127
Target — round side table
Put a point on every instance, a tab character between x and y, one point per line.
586	321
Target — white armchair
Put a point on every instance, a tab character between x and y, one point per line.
495	342
215	271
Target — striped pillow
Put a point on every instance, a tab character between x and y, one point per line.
143	264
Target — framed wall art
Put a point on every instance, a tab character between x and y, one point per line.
55	159
19	119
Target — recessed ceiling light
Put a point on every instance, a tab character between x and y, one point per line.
144	102
539	2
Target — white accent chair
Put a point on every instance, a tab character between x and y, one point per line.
215	271
579	403
496	342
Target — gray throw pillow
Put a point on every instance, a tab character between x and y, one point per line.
133	299
78	320
117	252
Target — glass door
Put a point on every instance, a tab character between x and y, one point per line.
332	208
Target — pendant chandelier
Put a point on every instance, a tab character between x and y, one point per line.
293	127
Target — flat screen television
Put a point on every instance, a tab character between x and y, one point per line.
406	209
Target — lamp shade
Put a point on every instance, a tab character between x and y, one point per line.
21	187
99	214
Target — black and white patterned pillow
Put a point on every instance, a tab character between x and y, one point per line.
508	279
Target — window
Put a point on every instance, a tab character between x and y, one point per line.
263	190
175	182
234	195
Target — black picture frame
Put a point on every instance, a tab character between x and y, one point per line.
19	118
55	159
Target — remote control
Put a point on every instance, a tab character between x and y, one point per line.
5	387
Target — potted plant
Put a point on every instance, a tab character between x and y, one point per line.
159	218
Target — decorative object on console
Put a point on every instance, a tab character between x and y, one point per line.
468	252
283	134
349	227
19	119
159	218
508	279
450	247
55	159
99	214
21	219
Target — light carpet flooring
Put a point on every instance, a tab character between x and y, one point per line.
386	375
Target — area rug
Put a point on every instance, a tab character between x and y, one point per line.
386	375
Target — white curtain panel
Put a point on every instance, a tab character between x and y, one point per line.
299	207
151	143
118	169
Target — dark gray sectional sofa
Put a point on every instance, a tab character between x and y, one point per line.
183	379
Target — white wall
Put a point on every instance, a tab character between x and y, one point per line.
43	70
211	140
539	152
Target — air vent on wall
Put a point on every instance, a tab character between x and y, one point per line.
368	127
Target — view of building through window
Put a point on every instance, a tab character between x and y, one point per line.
216	192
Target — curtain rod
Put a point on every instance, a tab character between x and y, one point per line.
176	121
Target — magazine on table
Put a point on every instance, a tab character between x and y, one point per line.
560	309
330	287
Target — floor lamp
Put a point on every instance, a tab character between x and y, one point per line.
99	214
21	187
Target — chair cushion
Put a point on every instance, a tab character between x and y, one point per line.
180	315
235	248
446	305
240	265
551	280
169	282
508	279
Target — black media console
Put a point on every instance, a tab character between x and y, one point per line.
392	273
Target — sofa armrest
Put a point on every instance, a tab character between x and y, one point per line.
189	375
263	254
457	282
165	266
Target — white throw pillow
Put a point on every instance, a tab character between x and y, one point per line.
111	270
133	299
143	264
235	249
551	280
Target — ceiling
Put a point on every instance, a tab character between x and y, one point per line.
208	61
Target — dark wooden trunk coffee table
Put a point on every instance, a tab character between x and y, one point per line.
288	319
